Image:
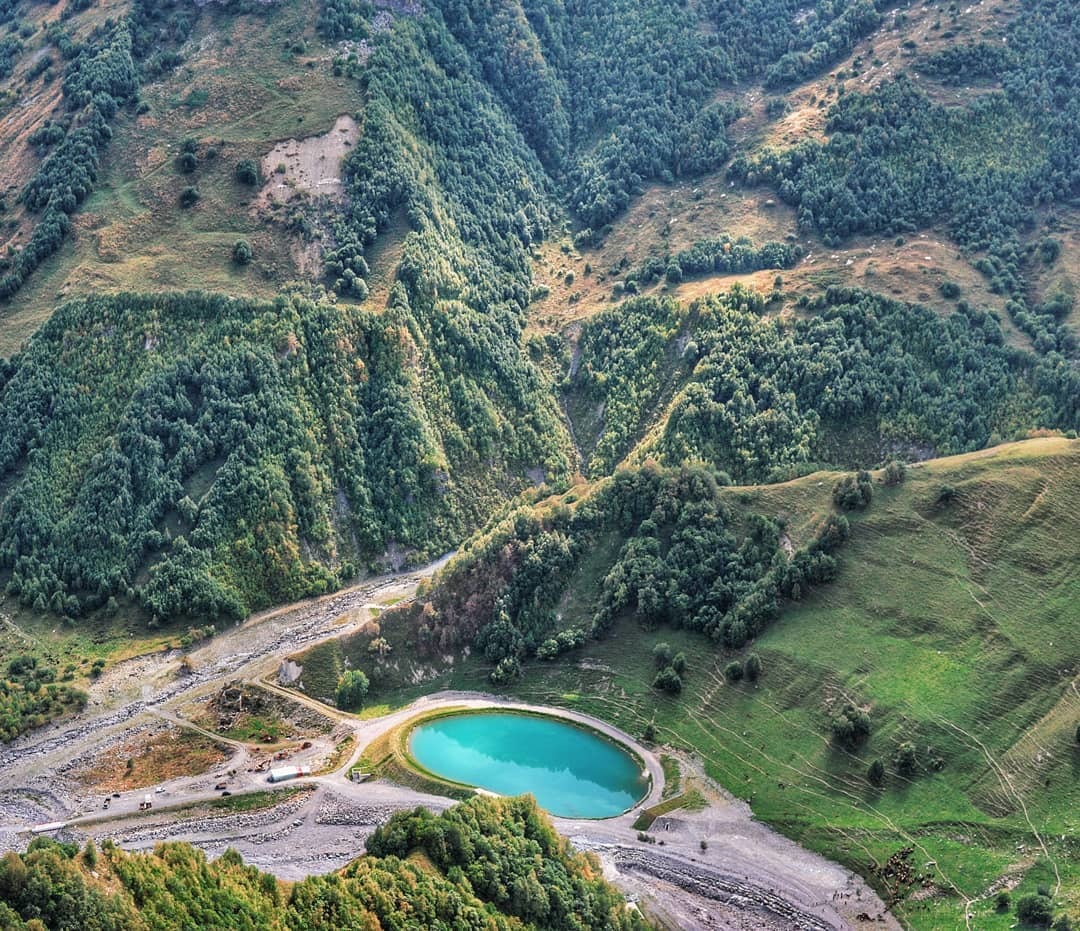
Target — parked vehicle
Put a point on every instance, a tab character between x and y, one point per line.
283	773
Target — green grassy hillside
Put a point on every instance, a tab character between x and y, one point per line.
951	621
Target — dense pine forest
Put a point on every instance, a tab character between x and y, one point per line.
758	398
237	438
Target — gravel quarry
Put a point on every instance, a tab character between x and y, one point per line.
716	868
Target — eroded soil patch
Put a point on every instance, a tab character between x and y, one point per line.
162	755
311	165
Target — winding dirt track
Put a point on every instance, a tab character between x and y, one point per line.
744	876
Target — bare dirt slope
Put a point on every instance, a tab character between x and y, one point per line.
309	166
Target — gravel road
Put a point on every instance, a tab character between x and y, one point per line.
747	876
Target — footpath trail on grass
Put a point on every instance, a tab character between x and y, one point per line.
748	877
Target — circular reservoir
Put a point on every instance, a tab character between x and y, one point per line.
572	772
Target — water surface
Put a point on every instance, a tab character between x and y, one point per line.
573	772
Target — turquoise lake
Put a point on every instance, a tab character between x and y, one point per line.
572	772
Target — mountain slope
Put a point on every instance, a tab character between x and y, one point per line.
949	620
294	290
243	453
434	402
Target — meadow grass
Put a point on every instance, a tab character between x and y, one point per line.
954	625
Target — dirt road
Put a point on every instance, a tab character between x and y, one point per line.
132	695
743	876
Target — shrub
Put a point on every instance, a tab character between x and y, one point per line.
834	530
1002	901
733	671
875	774
752	667
662	653
189	197
949	290
895	472
241	252
508	669
668	680
1035	910
851	726
187	162
247	172
1049	249
549	649
678	662
352	689
584	239
359	289
776	106
946	495
1062	923
853	492
906	760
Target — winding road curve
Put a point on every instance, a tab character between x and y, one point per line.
715	869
